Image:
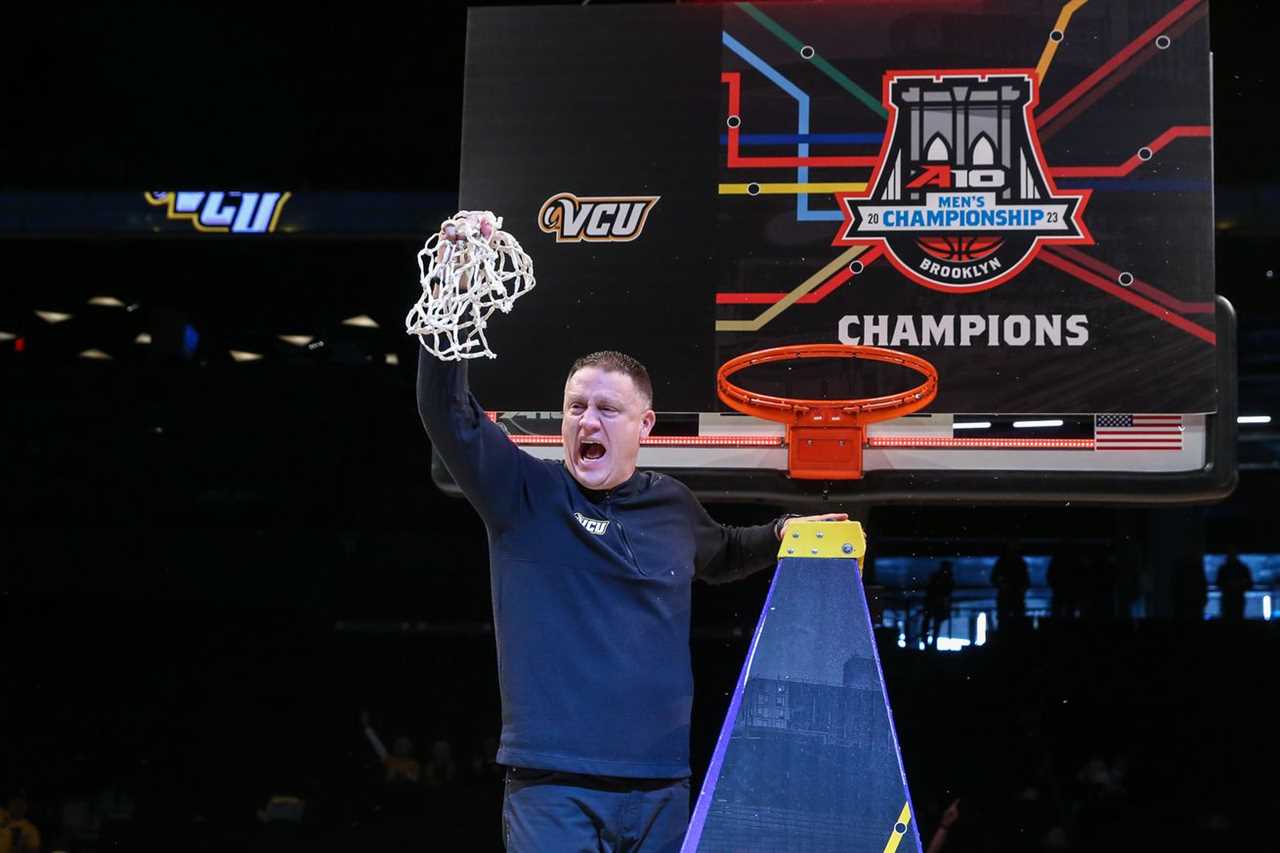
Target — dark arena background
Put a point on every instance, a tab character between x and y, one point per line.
224	562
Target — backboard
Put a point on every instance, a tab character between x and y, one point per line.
1023	197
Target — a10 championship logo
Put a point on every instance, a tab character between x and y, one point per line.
961	199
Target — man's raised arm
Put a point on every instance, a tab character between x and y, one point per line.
480	457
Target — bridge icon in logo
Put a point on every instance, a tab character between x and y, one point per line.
961	198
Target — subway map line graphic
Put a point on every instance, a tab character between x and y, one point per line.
828	278
1078	99
1056	35
1125	62
867	99
802	127
1139	157
733	80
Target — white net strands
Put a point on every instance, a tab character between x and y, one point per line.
465	277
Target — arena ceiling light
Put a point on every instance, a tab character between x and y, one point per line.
8	336
1254	419
53	316
297	340
241	355
972	425
106	302
95	355
1035	424
392	358
364	321
143	338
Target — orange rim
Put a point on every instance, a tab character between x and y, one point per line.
833	412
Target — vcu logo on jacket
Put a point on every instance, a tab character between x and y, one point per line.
592	525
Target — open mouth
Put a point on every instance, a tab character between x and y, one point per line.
591	450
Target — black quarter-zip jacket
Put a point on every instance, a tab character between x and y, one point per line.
591	594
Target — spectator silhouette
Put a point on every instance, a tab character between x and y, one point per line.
401	793
399	764
17	834
1011	580
1064	580
440	769
937	600
1234	581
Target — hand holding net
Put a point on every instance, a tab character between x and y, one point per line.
468	270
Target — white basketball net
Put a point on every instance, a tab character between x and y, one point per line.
464	280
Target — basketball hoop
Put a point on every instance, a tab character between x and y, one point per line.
825	437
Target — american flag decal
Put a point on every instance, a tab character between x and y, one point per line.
1137	432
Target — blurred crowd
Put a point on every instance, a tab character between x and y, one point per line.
1085	730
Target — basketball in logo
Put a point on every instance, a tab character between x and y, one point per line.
960	248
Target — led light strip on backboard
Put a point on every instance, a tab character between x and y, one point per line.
924	442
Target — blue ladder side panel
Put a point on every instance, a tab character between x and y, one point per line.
808	759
